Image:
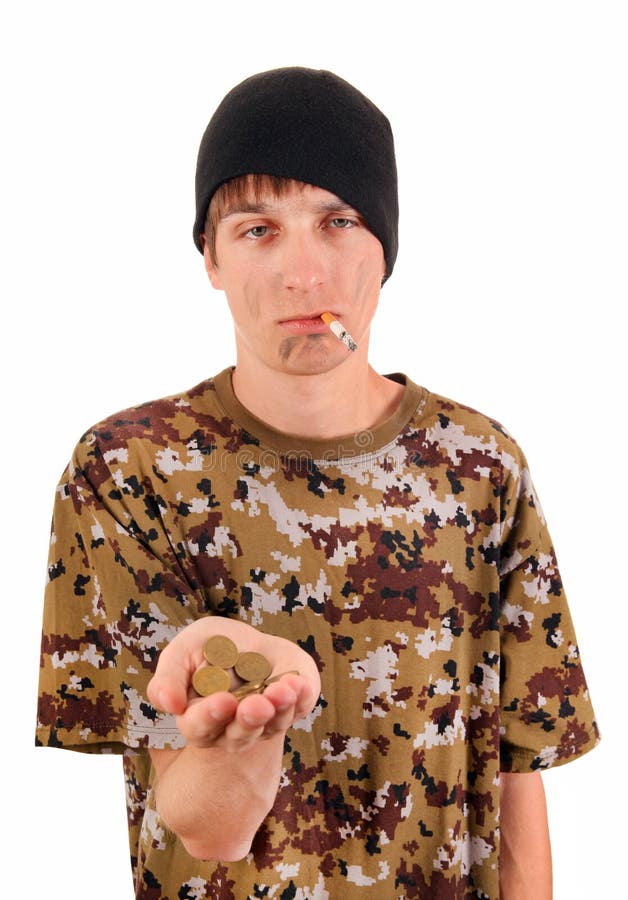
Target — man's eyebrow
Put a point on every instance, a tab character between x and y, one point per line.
244	206
336	205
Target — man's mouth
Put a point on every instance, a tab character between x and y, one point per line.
301	317
310	323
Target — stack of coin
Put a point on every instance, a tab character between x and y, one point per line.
252	670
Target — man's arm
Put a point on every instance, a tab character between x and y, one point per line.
215	793
525	860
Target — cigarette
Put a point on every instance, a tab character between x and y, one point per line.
336	327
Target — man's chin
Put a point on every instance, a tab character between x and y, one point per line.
311	355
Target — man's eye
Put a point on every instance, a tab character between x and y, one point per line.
342	222
257	231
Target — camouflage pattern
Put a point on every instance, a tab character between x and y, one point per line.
412	561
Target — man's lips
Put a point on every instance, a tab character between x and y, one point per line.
310	324
301	317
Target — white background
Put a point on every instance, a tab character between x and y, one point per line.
510	126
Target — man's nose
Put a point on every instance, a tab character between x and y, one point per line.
301	263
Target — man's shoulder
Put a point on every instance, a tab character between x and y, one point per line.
163	421
464	428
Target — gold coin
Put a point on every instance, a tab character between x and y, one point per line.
249	688
252	667
277	677
210	679
220	651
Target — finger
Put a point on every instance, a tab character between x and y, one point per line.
252	716
284	698
168	690
206	719
306	696
169	687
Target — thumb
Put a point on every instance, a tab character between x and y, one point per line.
168	689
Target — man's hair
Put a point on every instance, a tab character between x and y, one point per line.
239	190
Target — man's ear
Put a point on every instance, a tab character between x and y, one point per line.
210	268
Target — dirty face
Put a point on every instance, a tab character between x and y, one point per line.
284	260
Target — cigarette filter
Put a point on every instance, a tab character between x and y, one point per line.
337	328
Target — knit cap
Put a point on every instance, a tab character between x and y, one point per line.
309	125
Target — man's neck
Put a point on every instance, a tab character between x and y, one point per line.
345	400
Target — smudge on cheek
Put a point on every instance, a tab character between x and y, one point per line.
286	347
251	298
368	279
308	342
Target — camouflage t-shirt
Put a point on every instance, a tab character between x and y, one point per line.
411	561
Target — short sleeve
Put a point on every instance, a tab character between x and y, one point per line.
546	714
114	597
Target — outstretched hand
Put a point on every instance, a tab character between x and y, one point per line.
220	720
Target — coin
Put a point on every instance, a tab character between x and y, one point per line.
252	667
277	677
220	651
209	679
249	687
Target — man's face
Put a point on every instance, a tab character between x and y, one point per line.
282	261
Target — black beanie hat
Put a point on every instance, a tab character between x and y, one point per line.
311	126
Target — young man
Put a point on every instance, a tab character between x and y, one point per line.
380	544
